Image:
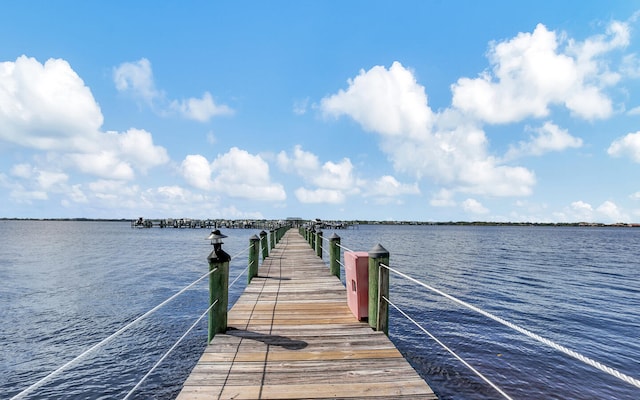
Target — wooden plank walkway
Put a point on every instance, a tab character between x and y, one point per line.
292	336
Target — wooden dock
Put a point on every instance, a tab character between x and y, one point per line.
291	335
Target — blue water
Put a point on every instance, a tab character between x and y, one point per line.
65	286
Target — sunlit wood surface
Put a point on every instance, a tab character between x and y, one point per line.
292	336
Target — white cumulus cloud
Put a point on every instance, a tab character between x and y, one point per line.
612	212
137	78
302	162
444	147
236	173
536	70
386	101
196	170
389	186
626	146
200	109
46	106
549	137
473	206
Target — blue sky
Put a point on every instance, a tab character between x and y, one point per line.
406	110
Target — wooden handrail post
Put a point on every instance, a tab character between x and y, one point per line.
334	255
254	257
312	238
218	289
378	287
264	245
272	238
319	243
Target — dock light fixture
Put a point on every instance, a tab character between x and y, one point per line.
216	237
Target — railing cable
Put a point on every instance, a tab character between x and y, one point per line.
325	251
239	275
106	340
344	248
444	346
240	252
596	364
165	355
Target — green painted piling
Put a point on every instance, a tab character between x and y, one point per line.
254	257
312	238
378	287
334	255
272	238
218	290
264	245
319	243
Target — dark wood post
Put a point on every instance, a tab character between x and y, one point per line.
378	287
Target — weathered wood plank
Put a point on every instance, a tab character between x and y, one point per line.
292	336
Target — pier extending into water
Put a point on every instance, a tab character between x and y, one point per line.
291	335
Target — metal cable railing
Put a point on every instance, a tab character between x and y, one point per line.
106	340
240	252
444	346
596	364
165	355
240	274
344	248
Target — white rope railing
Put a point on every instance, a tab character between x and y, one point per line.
189	329
325	251
596	364
106	340
240	252
444	346
239	275
344	248
165	355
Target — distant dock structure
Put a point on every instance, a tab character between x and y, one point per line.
189	223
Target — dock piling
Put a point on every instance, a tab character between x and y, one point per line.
318	248
334	255
218	285
264	245
254	257
378	288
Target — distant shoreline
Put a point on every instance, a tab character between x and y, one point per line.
366	222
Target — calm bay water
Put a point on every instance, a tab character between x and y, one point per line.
65	286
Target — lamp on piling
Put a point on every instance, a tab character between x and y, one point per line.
216	239
218	284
